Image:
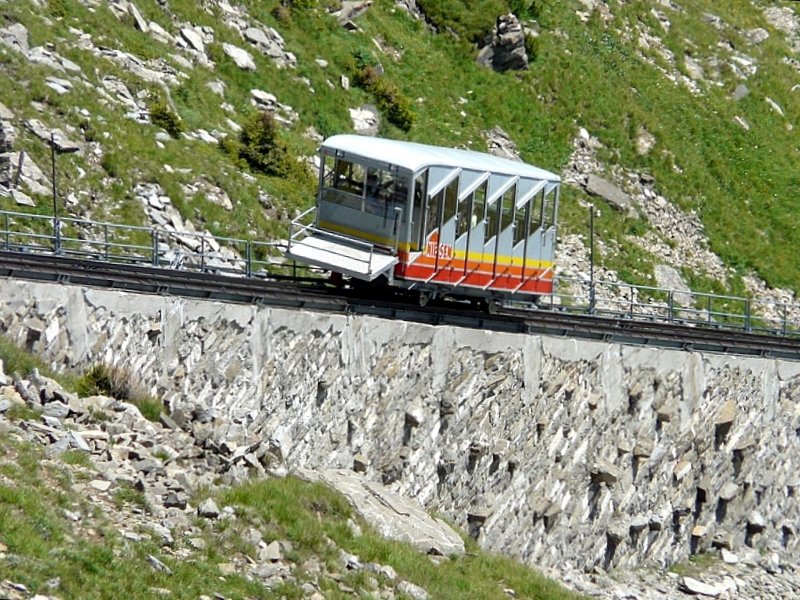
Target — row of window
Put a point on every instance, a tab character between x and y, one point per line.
498	215
376	184
373	190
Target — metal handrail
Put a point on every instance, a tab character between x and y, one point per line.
30	232
311	228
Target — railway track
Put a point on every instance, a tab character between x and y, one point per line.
315	295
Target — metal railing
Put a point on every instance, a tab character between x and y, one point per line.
97	240
624	300
159	247
298	230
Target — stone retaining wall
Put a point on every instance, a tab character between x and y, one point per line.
560	452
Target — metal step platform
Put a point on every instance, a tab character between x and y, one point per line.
339	253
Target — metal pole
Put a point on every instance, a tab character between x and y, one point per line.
591	258
248	252
156	262
56	228
747	322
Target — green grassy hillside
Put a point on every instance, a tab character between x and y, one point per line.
607	70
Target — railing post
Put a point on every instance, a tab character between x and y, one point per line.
155	247
203	254
369	264
56	235
630	307
591	296
8	233
105	238
747	324
708	308
671	306
784	325
248	253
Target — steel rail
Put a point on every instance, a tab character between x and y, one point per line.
316	296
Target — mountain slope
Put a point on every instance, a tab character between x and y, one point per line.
697	97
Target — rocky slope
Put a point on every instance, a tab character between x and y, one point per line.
578	457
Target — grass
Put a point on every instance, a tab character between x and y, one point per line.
741	183
119	383
309	514
695	566
89	559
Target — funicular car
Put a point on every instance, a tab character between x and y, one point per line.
440	221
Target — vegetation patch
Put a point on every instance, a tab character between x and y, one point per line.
389	97
162	115
119	383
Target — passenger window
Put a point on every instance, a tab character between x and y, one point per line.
464	206
507	213
520	220
450	201
493	218
327	170
478	206
535	212
432	215
547	200
420	186
349	177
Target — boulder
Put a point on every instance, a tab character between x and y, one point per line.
506	50
15	37
241	57
366	120
602	188
392	516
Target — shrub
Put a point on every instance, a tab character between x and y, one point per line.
282	14
57	8
119	383
525	8
531	47
389	97
163	116
469	19
261	146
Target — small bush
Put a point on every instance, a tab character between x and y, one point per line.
282	14
119	383
19	412
263	148
531	47
57	8
390	99
163	116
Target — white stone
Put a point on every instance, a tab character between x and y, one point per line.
194	39
101	485
728	557
241	57
693	586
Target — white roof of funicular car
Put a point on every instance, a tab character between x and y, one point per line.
414	156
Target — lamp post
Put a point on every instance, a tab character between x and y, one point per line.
591	258
56	224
